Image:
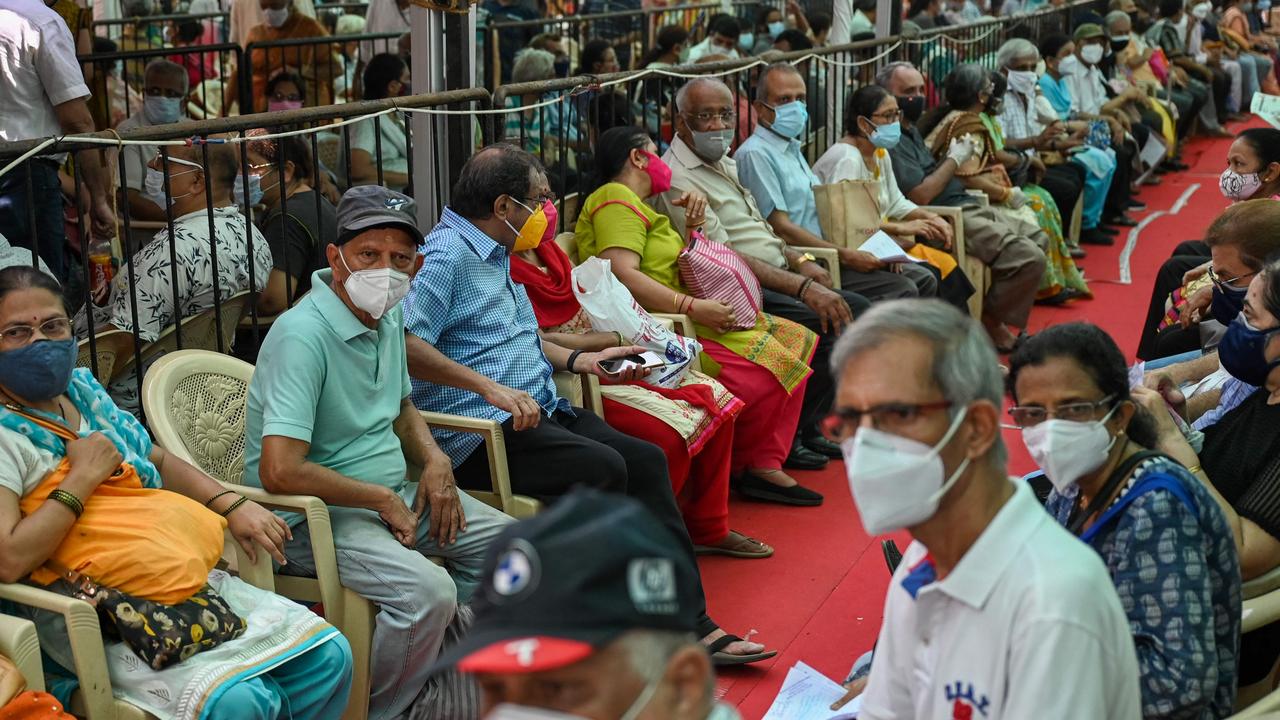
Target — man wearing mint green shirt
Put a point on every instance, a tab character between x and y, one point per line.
329	415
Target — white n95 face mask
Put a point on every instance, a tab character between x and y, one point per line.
897	482
375	291
1068	450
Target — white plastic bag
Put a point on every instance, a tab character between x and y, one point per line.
612	309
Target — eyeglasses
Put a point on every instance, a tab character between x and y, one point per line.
727	117
291	97
163	92
537	202
58	328
1230	283
1029	415
890	115
889	417
260	168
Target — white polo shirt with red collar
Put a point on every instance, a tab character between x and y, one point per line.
1026	626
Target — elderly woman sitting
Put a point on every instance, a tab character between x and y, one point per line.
85	495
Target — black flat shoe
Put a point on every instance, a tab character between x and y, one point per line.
757	488
802	458
823	446
1121	221
1137	206
1108	230
1094	236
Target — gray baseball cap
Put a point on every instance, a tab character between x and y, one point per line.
370	206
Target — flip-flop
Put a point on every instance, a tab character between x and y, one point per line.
721	659
763	550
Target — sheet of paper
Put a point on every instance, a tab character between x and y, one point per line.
807	694
1153	151
1267	107
886	249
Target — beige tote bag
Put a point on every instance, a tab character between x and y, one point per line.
848	211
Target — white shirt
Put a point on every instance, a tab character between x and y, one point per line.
38	70
845	162
22	464
1027	625
383	16
1088	90
705	48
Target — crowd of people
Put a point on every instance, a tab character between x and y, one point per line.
1156	496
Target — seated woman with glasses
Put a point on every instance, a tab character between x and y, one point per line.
872	128
285	91
765	365
83	490
1159	531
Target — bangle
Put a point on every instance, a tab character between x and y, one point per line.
234	505
209	502
621	341
573	357
1195	469
675	300
688	307
803	287
71	501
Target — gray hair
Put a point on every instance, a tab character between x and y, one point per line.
885	75
650	650
533	64
1114	17
778	67
1014	49
683	93
965	367
165	69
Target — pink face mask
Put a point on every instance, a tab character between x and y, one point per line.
659	175
549	211
277	105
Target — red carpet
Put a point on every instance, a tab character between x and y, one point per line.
819	598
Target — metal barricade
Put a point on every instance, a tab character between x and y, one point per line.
320	62
148	31
165	315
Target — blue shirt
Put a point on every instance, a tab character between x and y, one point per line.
325	378
774	169
465	303
1234	392
1175	568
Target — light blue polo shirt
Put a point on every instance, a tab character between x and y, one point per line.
325	378
773	168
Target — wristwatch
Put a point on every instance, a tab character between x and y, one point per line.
807	257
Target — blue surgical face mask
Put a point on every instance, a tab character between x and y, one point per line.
255	191
1243	352
776	28
162	110
40	371
1227	305
789	119
153	185
746	41
887	136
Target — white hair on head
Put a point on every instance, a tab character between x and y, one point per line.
683	93
1014	49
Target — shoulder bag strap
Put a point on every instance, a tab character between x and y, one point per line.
1099	501
56	428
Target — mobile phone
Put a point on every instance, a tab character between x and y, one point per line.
646	359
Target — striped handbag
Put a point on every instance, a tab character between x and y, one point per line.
713	271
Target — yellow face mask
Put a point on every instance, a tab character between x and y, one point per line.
529	236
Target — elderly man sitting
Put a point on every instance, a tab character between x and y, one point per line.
772	166
992	595
329	415
1017	261
795	287
165	85
584	621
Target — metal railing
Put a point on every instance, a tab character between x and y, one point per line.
331	136
147	31
633	31
320	61
124	87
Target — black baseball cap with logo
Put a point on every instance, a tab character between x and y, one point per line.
561	585
372	206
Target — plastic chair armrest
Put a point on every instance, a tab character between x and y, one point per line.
19	643
830	259
495	446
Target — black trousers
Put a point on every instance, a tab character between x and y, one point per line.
570	450
820	392
1118	194
1174	340
1064	183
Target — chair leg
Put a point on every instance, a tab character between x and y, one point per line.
357	625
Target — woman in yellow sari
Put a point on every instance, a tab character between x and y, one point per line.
766	365
971	93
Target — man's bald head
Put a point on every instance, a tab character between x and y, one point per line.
901	79
773	78
702	91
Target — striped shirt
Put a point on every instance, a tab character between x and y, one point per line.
465	303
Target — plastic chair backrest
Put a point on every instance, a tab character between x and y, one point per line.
110	348
199	332
196	401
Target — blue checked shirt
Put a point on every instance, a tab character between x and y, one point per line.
464	303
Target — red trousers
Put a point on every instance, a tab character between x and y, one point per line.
700	482
766	427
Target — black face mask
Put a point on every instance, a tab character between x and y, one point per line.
1141	23
1227	304
562	68
1118	46
994	105
912	107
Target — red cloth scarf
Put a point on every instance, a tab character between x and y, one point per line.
550	292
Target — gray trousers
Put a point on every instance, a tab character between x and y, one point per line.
1014	250
417	599
913	281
